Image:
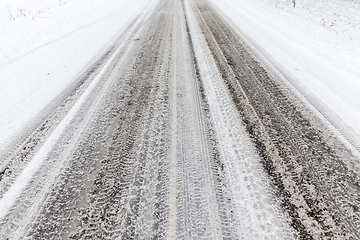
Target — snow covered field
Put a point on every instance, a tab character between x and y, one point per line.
45	45
315	45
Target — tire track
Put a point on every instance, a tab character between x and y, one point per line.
309	167
161	149
126	196
255	214
21	216
205	209
15	154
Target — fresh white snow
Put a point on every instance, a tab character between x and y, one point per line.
45	45
316	44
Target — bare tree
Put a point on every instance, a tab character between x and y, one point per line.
10	15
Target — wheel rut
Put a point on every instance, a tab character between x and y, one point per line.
186	135
310	167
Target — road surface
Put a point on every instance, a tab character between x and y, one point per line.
180	131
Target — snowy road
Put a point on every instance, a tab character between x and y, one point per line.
180	131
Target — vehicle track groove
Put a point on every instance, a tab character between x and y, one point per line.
297	155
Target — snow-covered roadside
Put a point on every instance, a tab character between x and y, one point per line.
316	43
26	25
44	50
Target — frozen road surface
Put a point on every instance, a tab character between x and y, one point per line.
180	131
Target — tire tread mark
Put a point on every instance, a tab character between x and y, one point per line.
284	137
